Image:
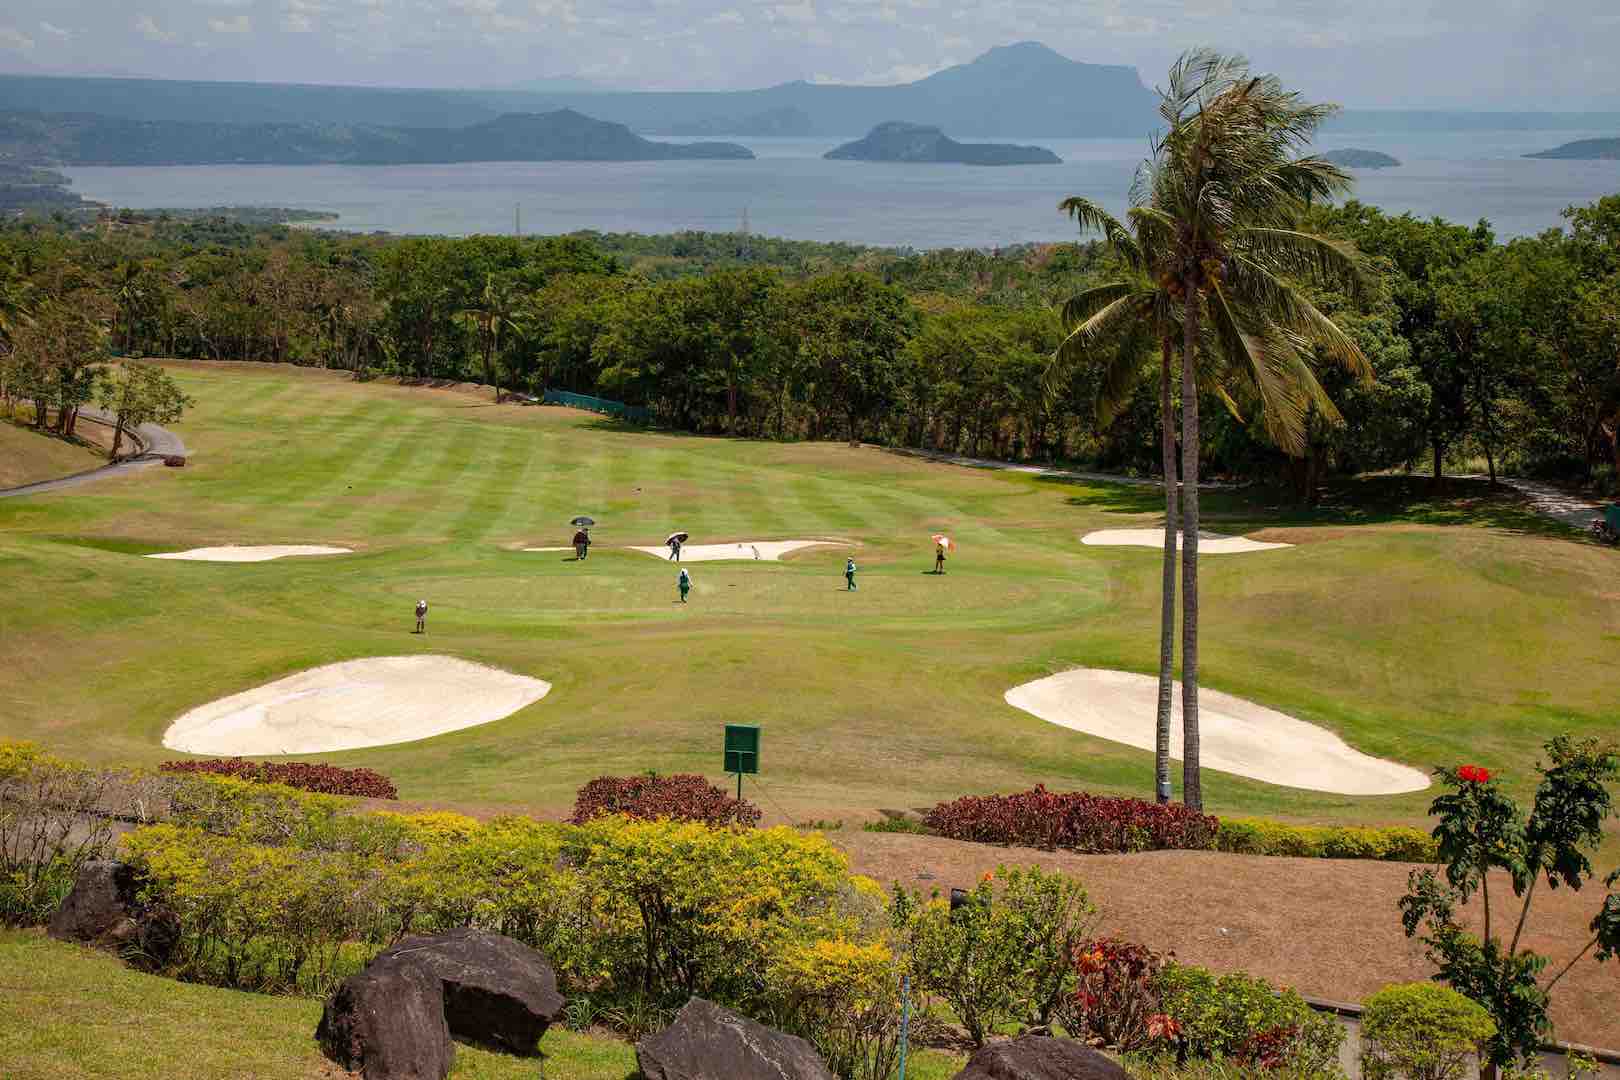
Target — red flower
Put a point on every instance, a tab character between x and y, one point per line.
1162	1026
1473	774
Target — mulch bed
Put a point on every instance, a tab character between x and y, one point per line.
1329	928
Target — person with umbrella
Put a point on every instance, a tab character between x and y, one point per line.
675	541
849	575
684	583
942	544
582	538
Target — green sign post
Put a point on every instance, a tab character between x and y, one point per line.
742	751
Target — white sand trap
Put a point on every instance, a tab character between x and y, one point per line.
260	553
1208	543
1237	736
763	550
358	703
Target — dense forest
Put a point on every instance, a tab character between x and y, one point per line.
1507	355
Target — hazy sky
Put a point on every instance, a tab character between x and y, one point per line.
1556	54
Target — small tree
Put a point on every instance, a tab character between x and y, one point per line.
139	394
1421	1031
1480	829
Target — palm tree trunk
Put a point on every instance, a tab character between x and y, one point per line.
1192	789
1167	610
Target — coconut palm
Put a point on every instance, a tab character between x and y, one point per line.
495	309
1212	247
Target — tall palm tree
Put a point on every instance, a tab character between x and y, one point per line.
495	309
1212	244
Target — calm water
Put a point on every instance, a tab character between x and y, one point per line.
789	191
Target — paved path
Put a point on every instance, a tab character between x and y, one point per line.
1571	509
155	444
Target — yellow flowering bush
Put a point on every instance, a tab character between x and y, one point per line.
844	996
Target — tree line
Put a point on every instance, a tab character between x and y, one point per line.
1504	353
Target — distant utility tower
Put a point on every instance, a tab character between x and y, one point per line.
517	220
744	231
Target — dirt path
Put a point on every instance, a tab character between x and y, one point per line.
156	443
1571	509
1329	928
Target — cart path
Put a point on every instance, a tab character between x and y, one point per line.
156	443
1556	503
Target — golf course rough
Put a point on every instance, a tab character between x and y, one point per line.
357	703
1237	736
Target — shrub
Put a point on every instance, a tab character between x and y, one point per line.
50	824
1246	1019
1160	1065
896	825
1257	836
1116	999
684	797
844	998
678	908
1421	1031
323	779
1003	954
1074	821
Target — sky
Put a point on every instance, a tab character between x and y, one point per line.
1475	54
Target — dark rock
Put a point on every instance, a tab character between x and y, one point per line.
1039	1057
498	993
387	1023
101	908
707	1042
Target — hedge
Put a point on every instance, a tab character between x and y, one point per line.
1257	836
683	797
322	779
1073	821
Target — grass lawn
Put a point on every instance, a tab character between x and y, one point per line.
28	456
1424	631
69	1012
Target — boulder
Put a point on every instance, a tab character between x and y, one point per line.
498	993
707	1042
1040	1057
101	908
387	1023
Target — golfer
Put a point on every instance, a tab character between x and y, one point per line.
684	582
421	616
939	558
675	548
849	575
582	544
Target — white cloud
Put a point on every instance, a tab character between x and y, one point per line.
151	31
54	30
15	40
238	24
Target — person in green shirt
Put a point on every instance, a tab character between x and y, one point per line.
685	583
849	575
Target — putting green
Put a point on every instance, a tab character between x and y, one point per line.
1413	642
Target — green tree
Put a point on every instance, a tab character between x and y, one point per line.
852	328
139	394
1213	245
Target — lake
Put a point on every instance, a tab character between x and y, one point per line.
791	192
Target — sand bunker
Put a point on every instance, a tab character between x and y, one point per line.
358	703
1237	736
763	550
260	553
1208	543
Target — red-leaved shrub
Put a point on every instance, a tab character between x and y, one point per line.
1074	821
684	797
1116	999
324	779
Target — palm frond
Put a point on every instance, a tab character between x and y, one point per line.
1077	309
1258	289
1091	217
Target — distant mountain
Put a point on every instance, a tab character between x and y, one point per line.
903	142
564	135
1011	90
1583	150
1361	159
1014	90
785	121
